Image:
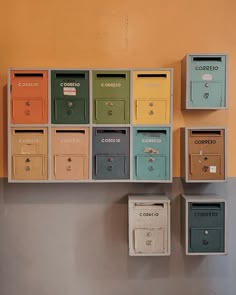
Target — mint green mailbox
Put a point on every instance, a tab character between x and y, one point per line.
151	153
204	79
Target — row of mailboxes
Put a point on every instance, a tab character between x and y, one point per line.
110	94
203	225
203	154
204	81
110	158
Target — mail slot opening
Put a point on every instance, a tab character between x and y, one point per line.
71	131
123	76
153	133
206	132
29	131
110	132
29	75
213	58
152	76
207	206
70	76
150	204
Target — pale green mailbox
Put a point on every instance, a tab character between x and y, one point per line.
151	153
204	81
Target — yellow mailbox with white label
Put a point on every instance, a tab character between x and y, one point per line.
152	92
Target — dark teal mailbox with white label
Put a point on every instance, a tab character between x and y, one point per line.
204	81
111	153
151	153
204	225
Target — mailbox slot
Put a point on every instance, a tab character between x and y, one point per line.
207	58
29	97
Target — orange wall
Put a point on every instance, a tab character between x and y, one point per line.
125	33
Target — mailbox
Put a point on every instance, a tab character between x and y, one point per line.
70	96
149	226
111	97
29	150
151	153
204	80
70	153
29	96
152	95
111	153
204	224
205	156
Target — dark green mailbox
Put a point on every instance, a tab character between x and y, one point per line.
111	97
70	96
206	227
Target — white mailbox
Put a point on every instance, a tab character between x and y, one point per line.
149	225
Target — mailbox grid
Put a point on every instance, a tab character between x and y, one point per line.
185	236
185	154
90	125
186	81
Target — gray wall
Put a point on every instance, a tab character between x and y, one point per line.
70	239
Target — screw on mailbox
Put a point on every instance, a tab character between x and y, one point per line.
27	168
206	95
70	104
150	168
109	112
151	113
149	242
109	168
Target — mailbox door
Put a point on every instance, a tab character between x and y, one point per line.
206	167
70	111
28	167
206	240
70	167
208	94
110	111
151	167
70	97
29	95
111	167
149	240
152	112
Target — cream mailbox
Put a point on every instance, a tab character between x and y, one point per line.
149	225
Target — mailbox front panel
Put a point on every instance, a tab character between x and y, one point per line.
151	97
29	153
206	226
207	81
70	153
111	96
206	154
29	97
70	97
111	153
151	153
149	227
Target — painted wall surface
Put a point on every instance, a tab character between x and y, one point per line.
72	239
128	33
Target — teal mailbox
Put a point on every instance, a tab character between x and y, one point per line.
204	81
151	153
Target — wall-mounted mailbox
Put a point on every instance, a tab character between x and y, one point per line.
204	155
152	153
204	81
29	150
152	95
111	97
70	153
111	153
203	224
70	96
29	96
149	226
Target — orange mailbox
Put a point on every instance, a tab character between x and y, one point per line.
29	150
70	153
29	96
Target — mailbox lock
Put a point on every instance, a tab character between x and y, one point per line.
150	168
151	104
206	232
70	104
69	160
27	160
205	242
151	160
205	158
149	234
206	85
27	103
110	160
